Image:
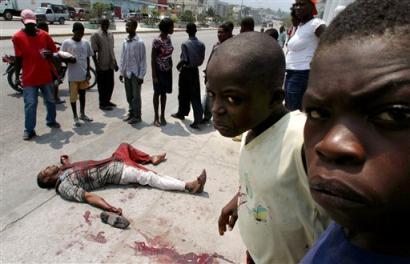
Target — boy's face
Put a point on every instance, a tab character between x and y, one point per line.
237	104
223	35
357	135
130	28
78	34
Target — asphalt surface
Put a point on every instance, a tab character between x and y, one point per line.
38	226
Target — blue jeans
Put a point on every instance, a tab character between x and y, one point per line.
30	94
295	86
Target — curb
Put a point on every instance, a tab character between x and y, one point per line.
113	32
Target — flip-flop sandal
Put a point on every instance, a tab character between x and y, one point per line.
201	180
114	220
156	123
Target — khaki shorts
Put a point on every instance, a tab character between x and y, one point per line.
74	87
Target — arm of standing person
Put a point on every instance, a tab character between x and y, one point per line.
94	47
99	202
121	69
154	55
142	64
18	63
90	53
184	57
320	30
229	215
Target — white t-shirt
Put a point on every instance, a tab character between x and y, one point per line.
81	50
278	219
302	45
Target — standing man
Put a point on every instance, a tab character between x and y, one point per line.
224	33
102	43
133	66
247	24
192	56
33	48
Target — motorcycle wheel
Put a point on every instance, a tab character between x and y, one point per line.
11	78
93	80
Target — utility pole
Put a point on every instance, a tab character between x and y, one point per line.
240	12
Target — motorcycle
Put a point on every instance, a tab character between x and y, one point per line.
60	61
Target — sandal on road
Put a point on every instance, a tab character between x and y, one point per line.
114	220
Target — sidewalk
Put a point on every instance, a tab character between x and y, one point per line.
166	227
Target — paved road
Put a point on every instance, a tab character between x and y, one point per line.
25	208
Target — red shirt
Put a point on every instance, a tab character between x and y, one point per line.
36	69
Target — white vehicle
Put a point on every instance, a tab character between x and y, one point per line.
51	16
10	8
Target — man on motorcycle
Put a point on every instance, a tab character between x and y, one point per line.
32	48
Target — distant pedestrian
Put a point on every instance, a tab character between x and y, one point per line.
247	24
79	72
282	36
102	43
301	48
32	49
224	33
133	66
161	63
192	56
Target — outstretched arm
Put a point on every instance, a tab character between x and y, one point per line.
99	202
229	215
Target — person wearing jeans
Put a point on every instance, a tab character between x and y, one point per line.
33	49
30	95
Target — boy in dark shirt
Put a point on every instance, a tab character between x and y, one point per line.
357	134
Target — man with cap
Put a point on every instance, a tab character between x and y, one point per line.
33	49
192	56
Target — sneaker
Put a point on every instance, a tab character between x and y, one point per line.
114	220
86	118
194	125
29	135
54	124
60	101
77	122
111	104
106	108
178	116
134	120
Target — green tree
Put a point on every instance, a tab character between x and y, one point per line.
187	16
210	12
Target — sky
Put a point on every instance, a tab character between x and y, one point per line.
272	4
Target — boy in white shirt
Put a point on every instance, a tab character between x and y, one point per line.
278	219
79	72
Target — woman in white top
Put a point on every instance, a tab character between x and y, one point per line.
301	48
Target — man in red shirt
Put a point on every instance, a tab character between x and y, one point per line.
33	49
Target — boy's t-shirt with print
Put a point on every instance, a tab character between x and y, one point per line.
278	219
81	50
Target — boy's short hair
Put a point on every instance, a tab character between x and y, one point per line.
78	26
133	22
273	33
41	183
165	24
191	28
248	22
259	60
227	26
104	21
365	18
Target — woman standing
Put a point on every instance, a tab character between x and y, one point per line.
301	47
161	62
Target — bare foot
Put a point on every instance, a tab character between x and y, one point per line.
156	123
157	159
163	121
197	186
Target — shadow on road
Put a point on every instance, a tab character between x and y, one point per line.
174	129
56	138
90	128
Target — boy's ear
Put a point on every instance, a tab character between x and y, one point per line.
278	95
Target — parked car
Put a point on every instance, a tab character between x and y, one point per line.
47	14
135	15
71	12
81	14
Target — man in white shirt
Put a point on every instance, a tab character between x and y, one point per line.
133	66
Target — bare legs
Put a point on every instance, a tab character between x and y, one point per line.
159	120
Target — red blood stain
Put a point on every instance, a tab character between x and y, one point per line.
87	217
170	255
99	238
